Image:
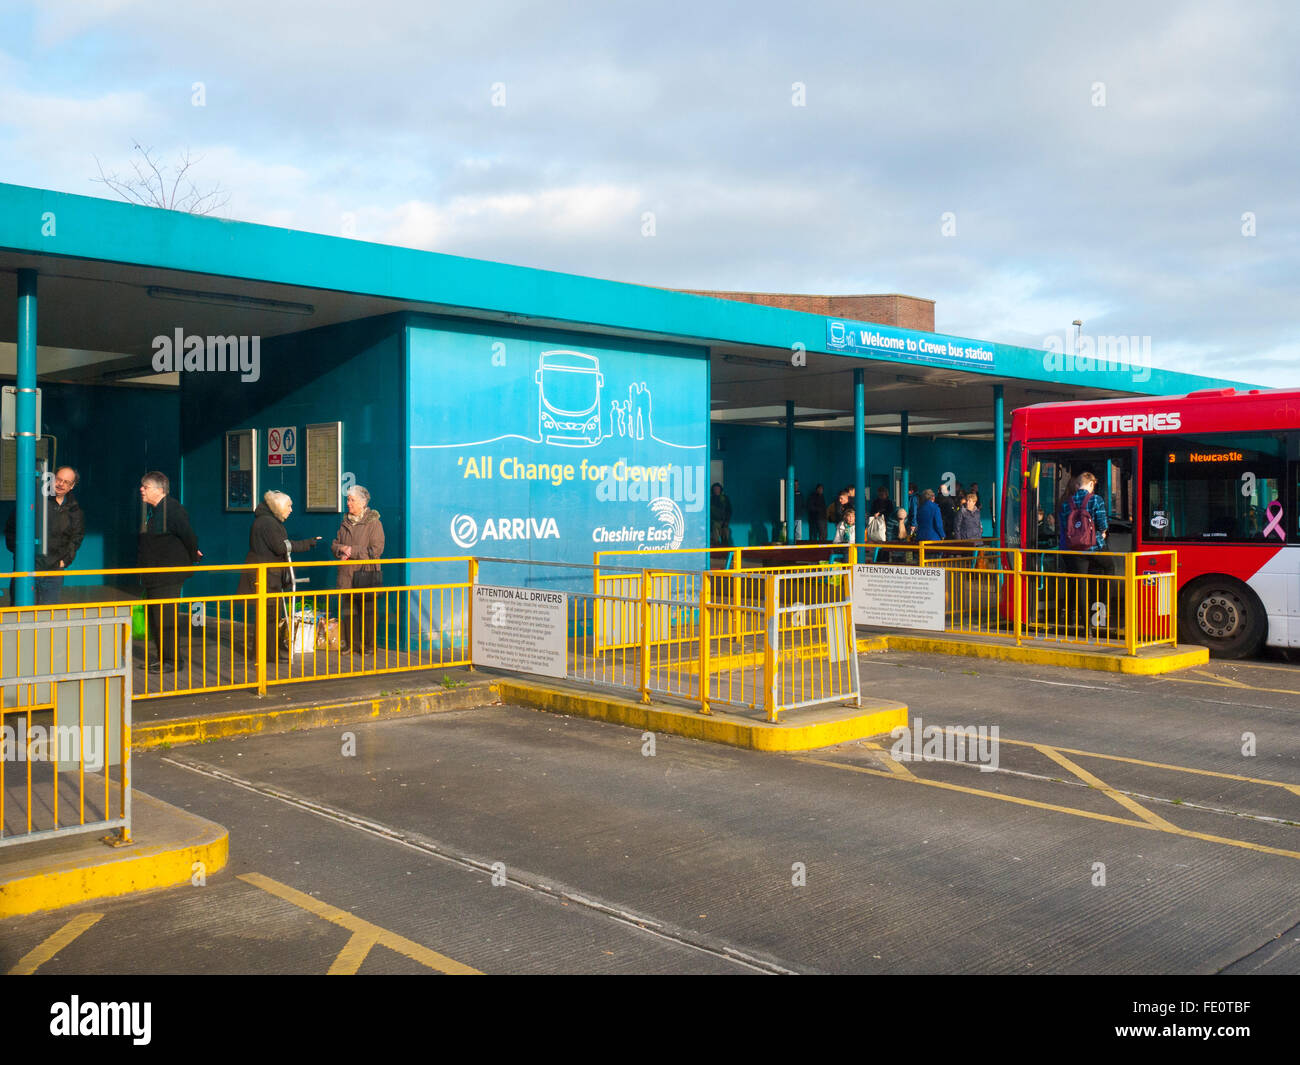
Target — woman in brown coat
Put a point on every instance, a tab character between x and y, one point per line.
360	537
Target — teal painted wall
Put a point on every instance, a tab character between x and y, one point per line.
482	408
349	373
753	463
111	435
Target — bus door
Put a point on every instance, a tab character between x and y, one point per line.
1050	474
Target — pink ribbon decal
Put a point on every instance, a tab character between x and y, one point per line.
1274	513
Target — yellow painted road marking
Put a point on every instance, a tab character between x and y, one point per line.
891	763
364	934
1110	818
1162	765
1235	685
1227	681
1088	814
39	955
353	954
1124	800
1293	670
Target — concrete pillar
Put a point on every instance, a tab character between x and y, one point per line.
789	471
28	432
902	459
859	459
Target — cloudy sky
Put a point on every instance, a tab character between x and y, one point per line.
1102	161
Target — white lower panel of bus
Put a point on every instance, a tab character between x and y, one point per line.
1277	583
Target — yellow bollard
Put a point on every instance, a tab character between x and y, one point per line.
736	584
473	580
261	629
771	636
645	636
706	597
1130	602
1173	599
1018	594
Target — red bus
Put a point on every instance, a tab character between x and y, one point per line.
1214	474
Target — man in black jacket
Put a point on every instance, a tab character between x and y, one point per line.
948	507
168	540
66	530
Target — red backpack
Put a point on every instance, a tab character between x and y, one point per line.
1080	529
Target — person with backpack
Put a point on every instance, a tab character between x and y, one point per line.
1082	528
1083	524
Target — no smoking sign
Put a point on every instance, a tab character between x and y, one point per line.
282	446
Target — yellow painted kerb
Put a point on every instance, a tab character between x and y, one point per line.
855	723
131	869
1117	662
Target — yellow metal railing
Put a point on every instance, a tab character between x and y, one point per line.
769	639
203	642
65	727
1097	599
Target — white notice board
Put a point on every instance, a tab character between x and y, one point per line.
523	629
899	597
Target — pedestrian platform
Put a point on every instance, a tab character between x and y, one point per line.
1148	661
800	730
169	847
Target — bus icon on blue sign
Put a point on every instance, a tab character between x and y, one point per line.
568	401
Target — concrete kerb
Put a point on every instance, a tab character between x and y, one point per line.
201	729
55	873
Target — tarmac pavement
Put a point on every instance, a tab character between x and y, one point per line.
1123	831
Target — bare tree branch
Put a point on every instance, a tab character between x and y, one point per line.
149	185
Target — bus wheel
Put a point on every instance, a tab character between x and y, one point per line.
1224	615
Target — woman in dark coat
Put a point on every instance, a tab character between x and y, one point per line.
267	543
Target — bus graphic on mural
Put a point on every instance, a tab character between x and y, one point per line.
568	400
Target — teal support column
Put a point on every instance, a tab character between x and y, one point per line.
28	431
999	458
902	460
789	471
859	459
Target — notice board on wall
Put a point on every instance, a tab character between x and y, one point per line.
324	444
9	465
241	470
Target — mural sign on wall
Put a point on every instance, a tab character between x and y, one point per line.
553	450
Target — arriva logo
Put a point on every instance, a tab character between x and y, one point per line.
466	533
464	530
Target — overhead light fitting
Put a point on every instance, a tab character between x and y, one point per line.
229	299
750	360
